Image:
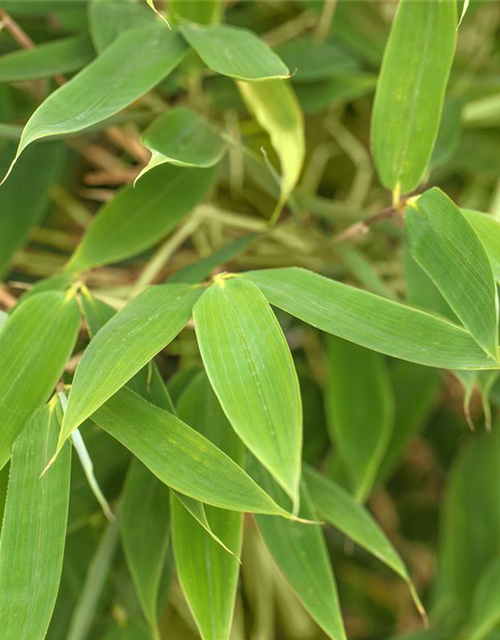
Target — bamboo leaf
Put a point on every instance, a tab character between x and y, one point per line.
488	230
277	110
485	616
360	407
107	86
58	56
35	344
207	572
198	11
448	249
251	370
144	526
108	19
34	529
124	345
340	509
151	210
410	91
234	52
371	321
179	456
180	137
23	208
301	554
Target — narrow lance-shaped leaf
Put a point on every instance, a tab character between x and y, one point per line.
58	56
207	572
108	19
35	344
360	407
34	529
446	246
138	217
149	384
485	615
23	208
181	137
180	456
251	370
124	345
410	91
300	552
277	110
107	86
488	230
340	509
144	526
371	321
234	52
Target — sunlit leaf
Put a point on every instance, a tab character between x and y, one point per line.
235	52
251	370
371	321
34	530
485	615
198	11
410	91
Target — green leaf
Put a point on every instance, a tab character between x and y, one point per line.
234	52
360	408
108	19
151	210
415	392
106	86
22	207
34	529
180	137
251	370
448	249
35	344
371	321
198	11
410	91
180	457
124	345
340	509
488	230
277	110
207	572
301	554
144	526
485	615
58	56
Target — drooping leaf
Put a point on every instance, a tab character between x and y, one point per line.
108	19
371	321
485	615
410	91
340	509
198	11
448	249
277	110
22	207
235	52
124	345
35	344
360	407
181	137
181	457
58	56
207	572
301	554
34	529
251	370
488	230
107	85
140	216
144	526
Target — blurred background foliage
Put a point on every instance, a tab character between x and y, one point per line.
437	492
